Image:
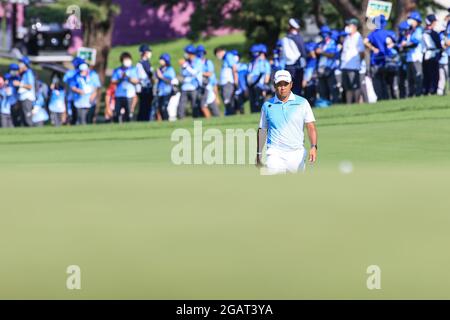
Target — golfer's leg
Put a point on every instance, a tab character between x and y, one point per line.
296	161
275	162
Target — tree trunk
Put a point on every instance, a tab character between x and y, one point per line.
99	37
317	8
403	8
348	10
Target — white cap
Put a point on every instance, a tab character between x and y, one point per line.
294	23
282	75
83	67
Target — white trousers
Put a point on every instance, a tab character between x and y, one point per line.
279	161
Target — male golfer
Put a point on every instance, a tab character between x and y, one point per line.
282	123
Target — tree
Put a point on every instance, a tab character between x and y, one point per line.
264	20
97	17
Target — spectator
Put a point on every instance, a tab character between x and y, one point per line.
241	94
431	56
68	79
258	77
327	52
310	76
85	93
165	75
392	68
351	57
191	70
414	54
294	54
57	104
145	86
443	65
228	79
39	112
10	77
207	85
376	42
26	88
5	104
126	78
403	30
96	83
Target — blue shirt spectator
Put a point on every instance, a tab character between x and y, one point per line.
164	87
226	73
327	50
123	75
192	71
27	78
85	84
57	100
377	39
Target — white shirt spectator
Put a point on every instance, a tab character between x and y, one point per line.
352	48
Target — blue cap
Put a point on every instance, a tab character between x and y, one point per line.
415	15
25	60
430	19
235	52
77	61
403	26
144	48
380	21
201	50
262	48
190	49
165	57
392	35
254	49
325	30
83	67
13	67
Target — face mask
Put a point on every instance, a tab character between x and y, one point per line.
348	29
410	22
127	63
186	56
13	73
22	65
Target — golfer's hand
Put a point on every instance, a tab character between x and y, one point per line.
259	163
312	155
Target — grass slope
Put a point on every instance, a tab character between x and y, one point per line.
108	199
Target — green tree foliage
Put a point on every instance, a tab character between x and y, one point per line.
265	20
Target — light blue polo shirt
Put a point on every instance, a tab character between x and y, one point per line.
87	85
27	78
285	122
5	105
125	89
328	46
164	88
226	74
57	101
68	79
415	54
257	71
192	73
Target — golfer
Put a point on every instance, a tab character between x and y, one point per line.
282	124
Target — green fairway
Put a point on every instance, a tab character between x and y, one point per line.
108	199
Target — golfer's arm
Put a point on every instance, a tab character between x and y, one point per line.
312	132
261	139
